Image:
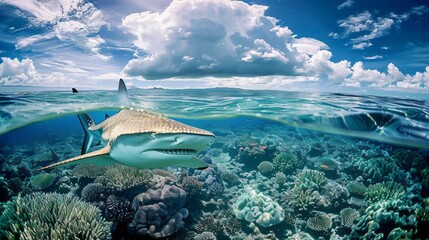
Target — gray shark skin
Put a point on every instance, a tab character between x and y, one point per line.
143	140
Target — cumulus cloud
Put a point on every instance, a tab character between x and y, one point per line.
346	4
15	72
72	21
212	38
232	39
361	45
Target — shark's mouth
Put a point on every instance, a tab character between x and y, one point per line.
177	151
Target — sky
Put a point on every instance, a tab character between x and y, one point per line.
315	45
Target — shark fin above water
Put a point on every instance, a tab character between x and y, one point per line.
99	157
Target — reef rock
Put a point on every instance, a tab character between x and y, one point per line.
256	207
159	213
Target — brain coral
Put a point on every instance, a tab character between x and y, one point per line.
159	213
52	216
265	167
42	180
256	207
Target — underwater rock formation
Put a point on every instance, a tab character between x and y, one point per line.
256	207
159	213
36	216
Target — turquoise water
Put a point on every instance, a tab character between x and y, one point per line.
285	165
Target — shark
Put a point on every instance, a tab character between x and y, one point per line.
140	139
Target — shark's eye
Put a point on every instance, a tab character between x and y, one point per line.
153	136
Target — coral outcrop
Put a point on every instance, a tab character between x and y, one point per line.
159	213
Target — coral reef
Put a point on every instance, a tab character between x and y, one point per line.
159	213
93	192
37	216
311	179
348	216
88	171
192	186
265	167
383	191
42	180
356	189
285	162
256	207
320	222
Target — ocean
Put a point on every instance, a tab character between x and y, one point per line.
284	165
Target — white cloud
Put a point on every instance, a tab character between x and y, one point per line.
15	72
363	27
223	38
72	21
346	4
334	35
237	42
362	45
384	47
373	57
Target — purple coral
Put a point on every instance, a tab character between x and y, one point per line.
159	213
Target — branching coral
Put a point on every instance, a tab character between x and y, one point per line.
285	162
88	171
320	222
384	191
120	178
192	186
52	216
311	179
348	216
93	192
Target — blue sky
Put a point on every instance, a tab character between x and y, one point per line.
323	45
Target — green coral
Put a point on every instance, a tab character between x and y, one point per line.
42	180
376	169
285	162
410	159
265	167
320	222
121	177
88	170
327	164
52	216
302	200
256	207
383	191
348	216
311	179
356	189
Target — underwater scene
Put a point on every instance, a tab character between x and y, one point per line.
281	165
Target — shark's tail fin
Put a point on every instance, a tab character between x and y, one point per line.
123	98
86	121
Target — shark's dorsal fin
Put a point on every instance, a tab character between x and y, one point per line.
123	98
99	157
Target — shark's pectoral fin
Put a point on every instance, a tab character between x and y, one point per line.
100	157
194	162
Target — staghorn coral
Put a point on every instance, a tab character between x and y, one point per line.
285	162
121	178
383	191
356	189
265	167
311	179
52	216
88	171
42	180
93	192
301	200
348	216
320	222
